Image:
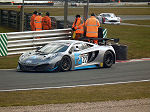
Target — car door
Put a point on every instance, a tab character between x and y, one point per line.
80	57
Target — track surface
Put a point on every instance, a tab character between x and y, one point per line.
120	72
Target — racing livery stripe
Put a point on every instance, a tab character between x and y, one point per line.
84	67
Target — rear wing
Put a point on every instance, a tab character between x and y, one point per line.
101	41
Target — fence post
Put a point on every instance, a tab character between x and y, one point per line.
22	17
65	13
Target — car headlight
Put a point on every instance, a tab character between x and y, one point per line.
21	57
24	55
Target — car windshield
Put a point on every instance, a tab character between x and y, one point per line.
108	15
54	48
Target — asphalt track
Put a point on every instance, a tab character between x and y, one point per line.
120	72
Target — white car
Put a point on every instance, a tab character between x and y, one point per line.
108	18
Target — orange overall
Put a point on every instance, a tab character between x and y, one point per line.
38	23
46	23
78	27
32	22
92	25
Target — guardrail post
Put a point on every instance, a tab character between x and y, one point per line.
3	45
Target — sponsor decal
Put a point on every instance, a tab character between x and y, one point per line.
34	57
80	58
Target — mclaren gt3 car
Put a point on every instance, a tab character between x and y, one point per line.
108	18
65	55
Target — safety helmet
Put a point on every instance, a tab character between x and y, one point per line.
47	13
35	12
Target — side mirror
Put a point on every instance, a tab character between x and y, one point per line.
70	51
38	48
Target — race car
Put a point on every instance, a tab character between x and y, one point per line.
108	18
65	55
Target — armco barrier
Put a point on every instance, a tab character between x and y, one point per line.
20	42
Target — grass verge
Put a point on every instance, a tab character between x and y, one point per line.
9	62
79	10
5	29
139	22
135	37
79	94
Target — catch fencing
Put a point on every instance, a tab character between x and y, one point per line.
20	42
12	18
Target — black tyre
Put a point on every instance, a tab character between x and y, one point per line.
108	59
65	64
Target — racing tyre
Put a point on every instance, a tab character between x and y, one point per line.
65	64
108	59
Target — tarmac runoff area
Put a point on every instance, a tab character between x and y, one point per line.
136	105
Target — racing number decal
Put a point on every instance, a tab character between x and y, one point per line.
80	58
84	58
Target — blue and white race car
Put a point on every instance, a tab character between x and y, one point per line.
65	55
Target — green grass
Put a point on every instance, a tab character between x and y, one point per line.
78	94
5	29
74	11
135	37
9	62
138	22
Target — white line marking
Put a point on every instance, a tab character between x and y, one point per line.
9	69
11	90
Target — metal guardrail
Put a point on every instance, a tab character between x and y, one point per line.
20	42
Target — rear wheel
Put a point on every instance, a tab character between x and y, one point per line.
65	64
108	59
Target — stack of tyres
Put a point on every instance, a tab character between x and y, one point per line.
121	51
5	17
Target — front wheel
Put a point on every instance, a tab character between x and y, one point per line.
108	59
65	64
